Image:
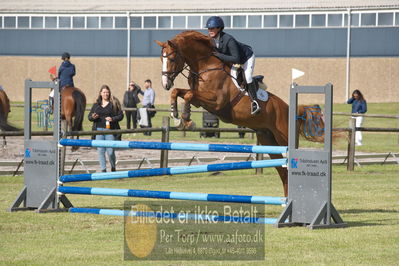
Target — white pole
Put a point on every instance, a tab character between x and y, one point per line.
128	50
348	50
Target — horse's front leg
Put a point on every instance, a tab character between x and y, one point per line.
186	115
180	123
173	103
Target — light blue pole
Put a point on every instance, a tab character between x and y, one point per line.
182	217
172	195
174	146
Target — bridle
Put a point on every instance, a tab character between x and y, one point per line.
173	74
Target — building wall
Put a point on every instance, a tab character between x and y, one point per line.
376	77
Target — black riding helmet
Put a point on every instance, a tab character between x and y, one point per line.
215	22
65	56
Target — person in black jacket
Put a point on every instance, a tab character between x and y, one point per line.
230	50
105	115
130	100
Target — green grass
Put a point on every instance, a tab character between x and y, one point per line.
366	199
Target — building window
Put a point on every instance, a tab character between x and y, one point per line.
368	19
121	22
9	22
255	21
179	22
194	22
270	21
37	22
227	21
64	22
318	20
239	21
385	19
150	22
50	22
1	22
334	20
92	22
135	22
286	21
164	22
23	22
78	22
107	22
355	20
302	21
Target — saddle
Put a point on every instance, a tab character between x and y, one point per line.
241	81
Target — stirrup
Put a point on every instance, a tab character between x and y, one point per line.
255	108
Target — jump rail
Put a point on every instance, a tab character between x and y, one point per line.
172	195
196	217
174	170
175	146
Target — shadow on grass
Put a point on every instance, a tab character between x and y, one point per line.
382	222
368	211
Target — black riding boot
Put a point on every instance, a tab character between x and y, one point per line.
255	108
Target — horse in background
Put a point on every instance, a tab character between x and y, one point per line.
73	106
4	110
212	88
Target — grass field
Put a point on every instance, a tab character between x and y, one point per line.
366	199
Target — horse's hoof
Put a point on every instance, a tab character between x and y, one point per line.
178	123
190	125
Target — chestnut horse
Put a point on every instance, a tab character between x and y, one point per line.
212	87
4	110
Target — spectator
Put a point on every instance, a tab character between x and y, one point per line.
65	75
130	100
359	106
148	102
105	115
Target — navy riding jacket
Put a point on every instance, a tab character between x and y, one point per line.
66	73
230	50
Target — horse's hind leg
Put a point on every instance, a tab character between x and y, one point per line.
267	138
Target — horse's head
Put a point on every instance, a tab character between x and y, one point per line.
172	63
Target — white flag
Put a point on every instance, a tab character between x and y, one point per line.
297	73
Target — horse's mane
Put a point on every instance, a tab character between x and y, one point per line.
195	36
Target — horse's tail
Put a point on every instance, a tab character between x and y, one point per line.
7	127
80	106
311	122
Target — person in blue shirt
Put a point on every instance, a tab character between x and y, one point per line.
359	106
230	50
65	75
148	102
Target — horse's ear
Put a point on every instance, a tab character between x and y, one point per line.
160	43
171	44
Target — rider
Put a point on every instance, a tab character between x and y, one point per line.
230	50
65	75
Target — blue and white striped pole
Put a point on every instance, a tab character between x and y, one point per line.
174	170
180	216
172	195
174	146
